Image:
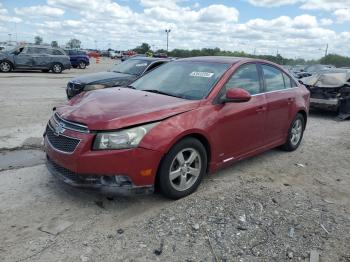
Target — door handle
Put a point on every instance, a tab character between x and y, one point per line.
261	109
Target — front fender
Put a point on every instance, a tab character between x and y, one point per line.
169	131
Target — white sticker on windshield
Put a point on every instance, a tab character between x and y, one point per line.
139	65
202	74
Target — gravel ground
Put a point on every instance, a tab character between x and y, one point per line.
277	206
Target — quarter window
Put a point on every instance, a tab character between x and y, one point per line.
245	77
273	78
56	52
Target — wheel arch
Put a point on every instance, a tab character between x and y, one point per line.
304	114
196	135
8	61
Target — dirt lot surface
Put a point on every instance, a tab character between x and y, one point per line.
277	206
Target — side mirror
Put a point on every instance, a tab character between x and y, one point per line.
237	95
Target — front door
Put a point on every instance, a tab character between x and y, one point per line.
23	59
240	126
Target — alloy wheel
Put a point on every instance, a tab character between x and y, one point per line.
57	68
185	169
296	132
5	67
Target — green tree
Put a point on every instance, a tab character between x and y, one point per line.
143	48
38	40
54	44
74	43
336	60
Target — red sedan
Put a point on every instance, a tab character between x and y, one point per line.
172	126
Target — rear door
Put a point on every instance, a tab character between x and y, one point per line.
240	128
279	99
40	55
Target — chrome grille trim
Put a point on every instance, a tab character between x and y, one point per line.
70	125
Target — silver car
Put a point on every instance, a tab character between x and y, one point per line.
34	57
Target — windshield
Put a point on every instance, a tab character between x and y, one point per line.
188	80
131	66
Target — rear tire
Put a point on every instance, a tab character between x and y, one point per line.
5	67
82	65
295	133
182	169
57	68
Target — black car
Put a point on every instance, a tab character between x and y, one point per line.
121	74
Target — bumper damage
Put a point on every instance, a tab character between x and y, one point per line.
115	185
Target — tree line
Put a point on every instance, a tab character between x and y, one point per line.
333	59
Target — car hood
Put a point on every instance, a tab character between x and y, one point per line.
102	77
115	108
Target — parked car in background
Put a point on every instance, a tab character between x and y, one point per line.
34	57
121	74
78	58
127	54
93	54
174	124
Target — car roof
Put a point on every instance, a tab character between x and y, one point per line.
151	59
219	59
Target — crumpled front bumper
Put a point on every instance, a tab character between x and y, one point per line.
97	183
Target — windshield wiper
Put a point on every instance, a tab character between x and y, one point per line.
130	86
160	92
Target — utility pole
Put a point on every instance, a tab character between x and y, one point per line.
167	31
10	39
326	52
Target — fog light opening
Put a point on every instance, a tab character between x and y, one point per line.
118	180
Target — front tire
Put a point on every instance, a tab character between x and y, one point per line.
57	68
5	67
295	133
182	169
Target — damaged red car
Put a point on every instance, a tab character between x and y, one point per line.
172	126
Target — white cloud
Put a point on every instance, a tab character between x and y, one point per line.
6	18
39	10
326	21
273	3
192	26
342	15
326	5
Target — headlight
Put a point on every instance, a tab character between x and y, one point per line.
123	139
93	87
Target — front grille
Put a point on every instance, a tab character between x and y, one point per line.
72	176
61	142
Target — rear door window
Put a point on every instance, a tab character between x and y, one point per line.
36	51
245	77
274	80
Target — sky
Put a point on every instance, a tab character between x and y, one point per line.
293	28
